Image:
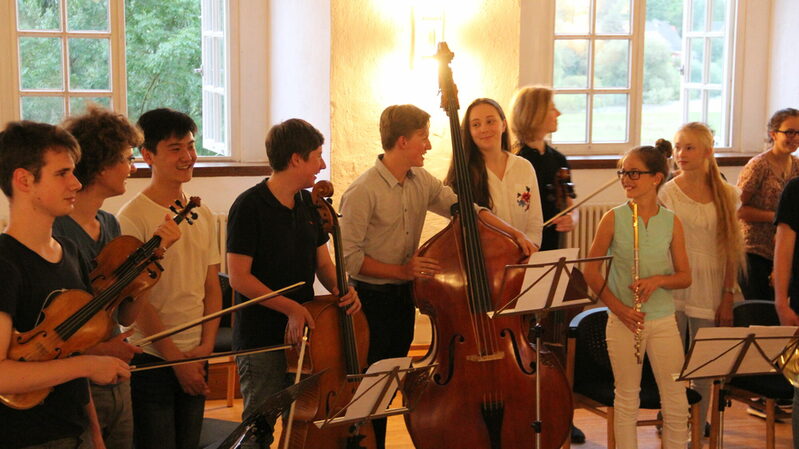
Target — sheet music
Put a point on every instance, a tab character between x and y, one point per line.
363	406
536	297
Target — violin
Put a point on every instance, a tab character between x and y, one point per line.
481	391
338	345
75	320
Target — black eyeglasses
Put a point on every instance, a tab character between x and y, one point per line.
633	174
789	133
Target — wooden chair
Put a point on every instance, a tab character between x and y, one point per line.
770	387
589	370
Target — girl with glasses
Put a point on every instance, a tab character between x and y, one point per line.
706	206
761	182
663	266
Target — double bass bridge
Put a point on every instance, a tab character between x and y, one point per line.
499	355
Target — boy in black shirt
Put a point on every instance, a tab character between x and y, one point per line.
36	174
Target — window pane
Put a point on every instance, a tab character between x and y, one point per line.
40	63
609	118
43	109
716	60
87	15
612	63
694	105
697	60
163	49
715	115
77	105
719	22
571	63
572	122
89	64
38	14
572	16
613	16
698	15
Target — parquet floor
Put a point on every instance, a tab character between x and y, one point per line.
742	431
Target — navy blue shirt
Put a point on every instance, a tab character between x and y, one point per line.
788	213
282	243
29	281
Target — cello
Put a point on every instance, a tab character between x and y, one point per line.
481	394
338	345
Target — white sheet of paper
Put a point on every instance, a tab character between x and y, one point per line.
536	298
718	348
363	406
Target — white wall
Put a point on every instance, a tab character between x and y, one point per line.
783	80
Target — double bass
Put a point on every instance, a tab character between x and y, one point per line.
338	345
481	393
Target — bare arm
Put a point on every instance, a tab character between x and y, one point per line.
753	214
528	247
23	377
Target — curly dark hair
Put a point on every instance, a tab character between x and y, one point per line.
103	135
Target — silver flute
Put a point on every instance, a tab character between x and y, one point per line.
636	297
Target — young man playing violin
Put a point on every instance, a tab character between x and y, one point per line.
106	140
383	213
168	403
36	174
274	239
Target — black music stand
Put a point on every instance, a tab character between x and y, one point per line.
720	353
269	409
545	288
373	396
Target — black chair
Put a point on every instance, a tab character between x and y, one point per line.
590	371
224	339
771	387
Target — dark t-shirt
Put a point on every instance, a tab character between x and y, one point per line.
89	248
788	213
27	281
546	167
282	243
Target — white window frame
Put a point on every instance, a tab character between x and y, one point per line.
537	60
11	92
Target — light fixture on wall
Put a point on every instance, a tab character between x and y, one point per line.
427	29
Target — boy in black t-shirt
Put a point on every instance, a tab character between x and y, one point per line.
275	239
36	174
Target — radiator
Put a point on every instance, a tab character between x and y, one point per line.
583	234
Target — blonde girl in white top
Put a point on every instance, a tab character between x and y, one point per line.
706	205
501	181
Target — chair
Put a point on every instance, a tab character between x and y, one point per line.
771	387
224	339
588	368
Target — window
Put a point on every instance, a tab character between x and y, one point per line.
624	76
70	52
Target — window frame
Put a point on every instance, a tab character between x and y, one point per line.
539	39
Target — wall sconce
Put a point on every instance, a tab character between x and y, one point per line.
427	30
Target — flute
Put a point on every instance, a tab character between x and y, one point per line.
636	297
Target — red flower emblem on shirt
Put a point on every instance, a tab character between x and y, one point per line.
523	199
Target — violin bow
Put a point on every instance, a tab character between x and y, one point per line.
165	363
581	202
181	327
297	377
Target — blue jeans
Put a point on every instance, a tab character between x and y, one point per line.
164	416
261	375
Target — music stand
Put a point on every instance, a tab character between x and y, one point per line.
720	353
268	410
545	288
374	394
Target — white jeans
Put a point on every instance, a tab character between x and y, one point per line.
660	339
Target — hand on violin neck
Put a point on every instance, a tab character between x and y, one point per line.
420	267
564	223
116	347
168	231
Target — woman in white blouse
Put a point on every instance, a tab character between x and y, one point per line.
501	181
706	205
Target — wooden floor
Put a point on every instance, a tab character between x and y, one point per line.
742	431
